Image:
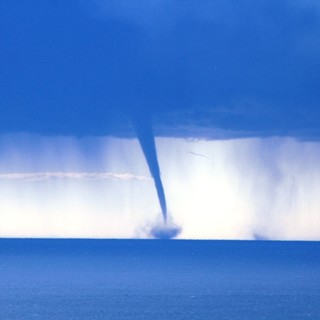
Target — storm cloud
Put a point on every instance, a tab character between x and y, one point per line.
75	74
202	69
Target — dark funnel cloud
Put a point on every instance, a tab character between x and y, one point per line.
143	128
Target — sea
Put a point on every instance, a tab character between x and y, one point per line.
53	279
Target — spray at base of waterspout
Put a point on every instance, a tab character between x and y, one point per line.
165	229
165	233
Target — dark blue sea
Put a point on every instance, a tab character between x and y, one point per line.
158	279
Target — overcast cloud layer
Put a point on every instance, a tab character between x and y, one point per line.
212	69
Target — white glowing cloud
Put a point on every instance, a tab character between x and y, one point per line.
246	188
234	189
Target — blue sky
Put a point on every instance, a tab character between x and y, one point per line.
241	76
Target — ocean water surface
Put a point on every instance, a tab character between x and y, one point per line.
158	279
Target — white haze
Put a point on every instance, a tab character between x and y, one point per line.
101	188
